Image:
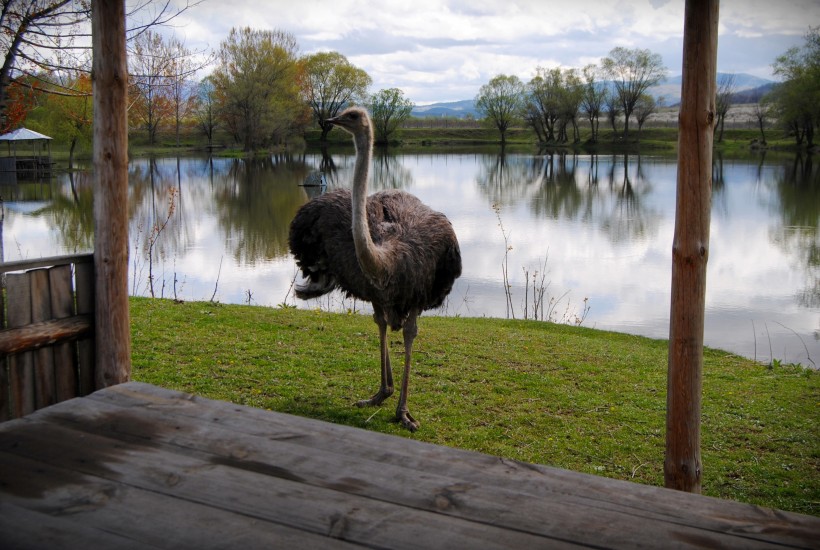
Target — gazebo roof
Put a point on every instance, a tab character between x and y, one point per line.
22	134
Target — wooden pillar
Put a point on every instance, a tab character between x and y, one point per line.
690	249
110	79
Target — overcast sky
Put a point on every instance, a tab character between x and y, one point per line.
438	50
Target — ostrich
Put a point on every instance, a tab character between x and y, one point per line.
388	249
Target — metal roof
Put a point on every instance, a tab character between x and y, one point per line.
22	134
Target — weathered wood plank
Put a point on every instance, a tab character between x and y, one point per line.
44	385
259	490
5	387
23	265
65	356
141	518
25	528
21	367
558	518
526	498
84	295
546	483
45	333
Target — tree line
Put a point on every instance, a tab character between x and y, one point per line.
554	100
261	91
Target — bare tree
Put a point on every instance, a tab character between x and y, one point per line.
723	101
613	108
150	87
181	68
34	32
633	72
644	108
205	109
761	113
592	101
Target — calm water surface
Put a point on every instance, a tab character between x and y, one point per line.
594	232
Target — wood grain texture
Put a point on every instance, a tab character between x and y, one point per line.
165	468
61	289
110	79
21	367
690	246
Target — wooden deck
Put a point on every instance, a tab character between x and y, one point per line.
136	466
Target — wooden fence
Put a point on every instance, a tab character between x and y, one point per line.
47	337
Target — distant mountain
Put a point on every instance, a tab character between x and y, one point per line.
669	88
752	95
458	109
748	89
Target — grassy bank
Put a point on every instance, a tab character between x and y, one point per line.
576	398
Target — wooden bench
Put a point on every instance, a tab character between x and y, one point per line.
46	339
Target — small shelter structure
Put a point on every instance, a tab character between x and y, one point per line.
27	155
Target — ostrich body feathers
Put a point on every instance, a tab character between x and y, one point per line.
418	245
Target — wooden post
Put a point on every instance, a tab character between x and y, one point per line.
110	78
690	249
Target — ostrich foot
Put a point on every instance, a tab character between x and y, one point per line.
407	420
376	400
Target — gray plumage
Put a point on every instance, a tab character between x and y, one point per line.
388	249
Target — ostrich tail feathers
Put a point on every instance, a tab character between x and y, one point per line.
317	284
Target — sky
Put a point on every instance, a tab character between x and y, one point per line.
445	50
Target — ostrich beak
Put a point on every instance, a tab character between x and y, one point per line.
332	120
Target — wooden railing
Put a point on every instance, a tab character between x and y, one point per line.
47	336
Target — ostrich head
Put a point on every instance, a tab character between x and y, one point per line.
353	120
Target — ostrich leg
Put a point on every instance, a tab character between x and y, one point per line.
402	412
386	388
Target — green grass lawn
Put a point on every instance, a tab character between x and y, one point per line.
575	398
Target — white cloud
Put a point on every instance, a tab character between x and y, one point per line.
444	50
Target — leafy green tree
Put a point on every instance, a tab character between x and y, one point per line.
796	101
388	109
256	85
501	101
330	83
570	97
633	72
543	104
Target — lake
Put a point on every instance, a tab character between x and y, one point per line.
583	239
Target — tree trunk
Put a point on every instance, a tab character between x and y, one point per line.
690	248
110	77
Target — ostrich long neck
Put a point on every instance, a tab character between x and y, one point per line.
368	254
